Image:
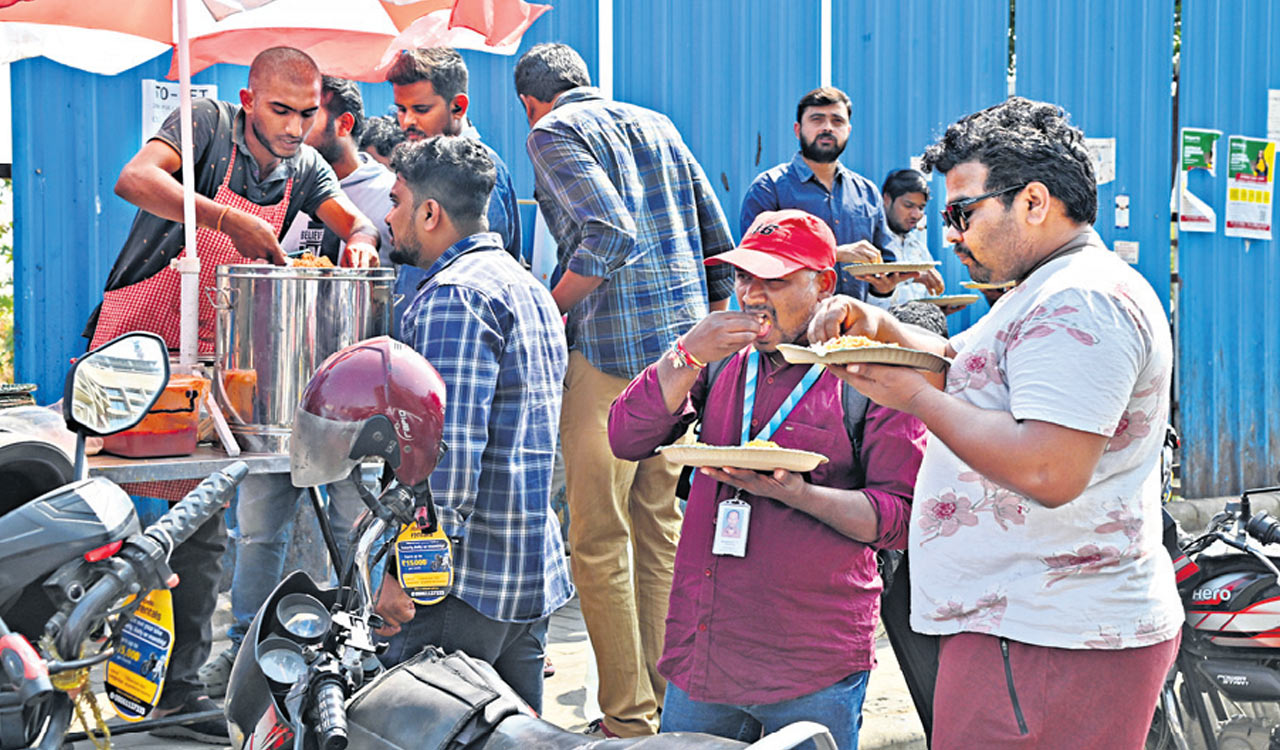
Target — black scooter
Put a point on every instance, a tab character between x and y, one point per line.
74	563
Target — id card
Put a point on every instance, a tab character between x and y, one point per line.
135	673
425	563
733	519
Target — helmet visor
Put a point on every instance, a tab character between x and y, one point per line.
320	449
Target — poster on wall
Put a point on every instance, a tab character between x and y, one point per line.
1250	177
159	98
1198	150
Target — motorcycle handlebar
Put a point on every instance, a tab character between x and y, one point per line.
1264	528
331	715
136	563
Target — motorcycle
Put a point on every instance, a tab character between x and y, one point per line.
307	673
75	566
1226	677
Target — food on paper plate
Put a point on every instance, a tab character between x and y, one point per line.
845	343
309	260
761	444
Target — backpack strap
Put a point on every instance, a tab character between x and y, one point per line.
855	420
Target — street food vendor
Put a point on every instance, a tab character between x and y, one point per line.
253	175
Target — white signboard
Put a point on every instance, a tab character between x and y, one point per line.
159	98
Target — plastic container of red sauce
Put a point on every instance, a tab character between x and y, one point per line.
172	426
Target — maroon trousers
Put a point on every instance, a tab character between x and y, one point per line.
994	693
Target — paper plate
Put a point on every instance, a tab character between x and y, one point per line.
951	300
985	285
866	269
876	355
742	457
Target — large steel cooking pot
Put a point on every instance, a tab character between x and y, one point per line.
275	326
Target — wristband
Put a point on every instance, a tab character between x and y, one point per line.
218	227
682	358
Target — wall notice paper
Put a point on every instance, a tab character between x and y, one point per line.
1250	177
1273	114
159	98
1127	250
1104	158
1198	149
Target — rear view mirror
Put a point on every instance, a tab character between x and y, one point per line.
113	387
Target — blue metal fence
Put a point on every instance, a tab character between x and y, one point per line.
729	72
908	80
1228	319
1113	74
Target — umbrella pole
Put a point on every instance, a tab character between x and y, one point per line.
189	265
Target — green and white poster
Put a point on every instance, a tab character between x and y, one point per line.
1250	177
1199	151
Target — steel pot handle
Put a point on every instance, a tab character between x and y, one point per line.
215	296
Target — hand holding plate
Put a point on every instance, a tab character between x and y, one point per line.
894	387
781	485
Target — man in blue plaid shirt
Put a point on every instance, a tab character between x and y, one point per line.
634	217
495	336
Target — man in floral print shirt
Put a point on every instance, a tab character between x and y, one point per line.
1035	529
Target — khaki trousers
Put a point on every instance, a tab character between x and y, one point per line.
624	523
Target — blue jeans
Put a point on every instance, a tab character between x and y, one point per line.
838	708
516	650
265	510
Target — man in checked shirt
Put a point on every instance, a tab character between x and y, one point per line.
493	333
634	217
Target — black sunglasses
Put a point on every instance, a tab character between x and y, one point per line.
956	213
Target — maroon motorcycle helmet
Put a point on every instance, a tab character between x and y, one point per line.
376	398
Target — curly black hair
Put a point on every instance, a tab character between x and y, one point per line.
1019	141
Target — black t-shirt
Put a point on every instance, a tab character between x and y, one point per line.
215	127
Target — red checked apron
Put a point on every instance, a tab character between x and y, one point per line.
154	304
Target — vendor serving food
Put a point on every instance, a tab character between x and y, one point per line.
801	561
253	174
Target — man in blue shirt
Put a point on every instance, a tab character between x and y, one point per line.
430	88
495	336
816	182
906	193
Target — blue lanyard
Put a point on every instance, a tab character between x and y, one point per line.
749	398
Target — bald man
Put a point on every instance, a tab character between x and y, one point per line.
253	174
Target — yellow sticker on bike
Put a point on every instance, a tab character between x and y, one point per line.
136	671
425	563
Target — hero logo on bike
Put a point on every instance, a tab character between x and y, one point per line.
1211	595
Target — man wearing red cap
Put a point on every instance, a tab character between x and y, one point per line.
780	626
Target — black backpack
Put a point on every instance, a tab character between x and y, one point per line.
855	417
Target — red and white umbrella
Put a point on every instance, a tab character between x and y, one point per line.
355	39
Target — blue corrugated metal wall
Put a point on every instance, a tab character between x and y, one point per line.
909	79
732	75
1228	318
1113	75
74	131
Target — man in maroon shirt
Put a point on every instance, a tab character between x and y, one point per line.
786	631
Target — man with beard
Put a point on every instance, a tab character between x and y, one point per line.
1036	531
816	182
494	334
634	217
784	631
338	129
430	88
269	503
253	175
